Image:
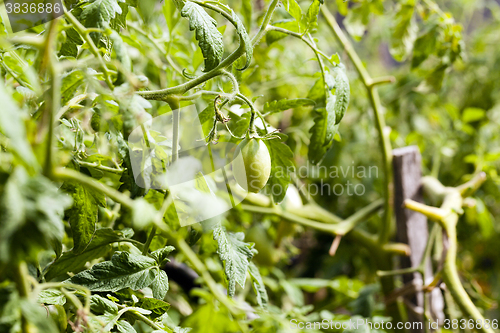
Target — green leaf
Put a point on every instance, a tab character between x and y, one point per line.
124	326
236	256
331	118
71	262
101	305
82	216
404	30
70	83
244	38
293	8
208	319
342	93
154	305
160	255
310	20
281	167
285	104
51	296
318	145
99	12
357	20
12	126
473	114
31	212
124	270
258	285
274	36
207	35
121	55
425	44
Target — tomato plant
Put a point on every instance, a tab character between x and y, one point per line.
118	121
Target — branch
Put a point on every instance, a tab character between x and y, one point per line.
385	144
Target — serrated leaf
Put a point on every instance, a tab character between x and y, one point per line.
258	286
124	270
342	93
281	167
207	35
404	31
99	12
236	256
98	247
274	36
310	20
244	39
285	104
82	216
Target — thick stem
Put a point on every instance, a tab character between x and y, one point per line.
385	144
54	98
452	279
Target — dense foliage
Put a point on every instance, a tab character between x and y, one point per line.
323	89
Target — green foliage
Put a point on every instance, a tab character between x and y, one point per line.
124	270
209	38
89	244
236	256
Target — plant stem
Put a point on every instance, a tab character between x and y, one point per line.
385	144
85	33
54	99
72	175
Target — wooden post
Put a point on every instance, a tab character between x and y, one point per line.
412	230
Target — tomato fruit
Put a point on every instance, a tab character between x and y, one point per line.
253	170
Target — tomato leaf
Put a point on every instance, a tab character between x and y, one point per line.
207	35
98	247
82	216
258	286
281	167
236	256
310	19
124	270
244	39
274	36
285	104
404	30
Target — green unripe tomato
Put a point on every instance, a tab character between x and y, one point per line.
58	315
253	170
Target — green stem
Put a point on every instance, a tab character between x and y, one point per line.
52	104
72	175
161	94
85	33
385	144
452	279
